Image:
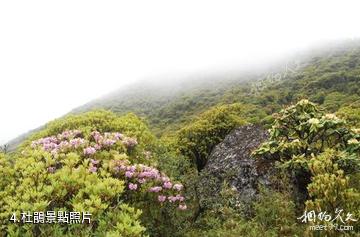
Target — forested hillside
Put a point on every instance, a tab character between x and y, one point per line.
249	153
328	75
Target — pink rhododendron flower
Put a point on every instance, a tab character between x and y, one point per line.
68	134
180	198
167	185
50	146
54	152
129	174
164	178
182	207
132	186
178	187
130	142
108	142
161	198
89	150
118	136
172	199
97	147
76	142
96	135
146	174
64	145
131	168
51	169
93	169
94	162
155	189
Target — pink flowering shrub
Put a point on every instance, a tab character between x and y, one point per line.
81	163
138	176
149	179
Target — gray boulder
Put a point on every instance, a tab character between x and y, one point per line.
231	161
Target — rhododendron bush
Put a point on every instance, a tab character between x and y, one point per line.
107	174
322	153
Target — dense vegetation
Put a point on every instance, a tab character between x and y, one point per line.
75	165
137	173
328	76
322	153
197	139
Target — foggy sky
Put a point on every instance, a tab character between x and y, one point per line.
55	56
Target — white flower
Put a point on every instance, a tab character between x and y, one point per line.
303	102
353	141
314	121
330	116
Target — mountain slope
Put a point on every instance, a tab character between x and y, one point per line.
328	75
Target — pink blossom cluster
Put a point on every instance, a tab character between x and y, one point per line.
51	169
175	198
71	139
155	189
93	165
60	143
68	134
136	175
89	150
132	186
162	185
76	142
130	142
161	198
107	139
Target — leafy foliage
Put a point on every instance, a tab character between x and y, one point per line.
274	216
85	170
322	149
302	130
351	114
198	138
330	190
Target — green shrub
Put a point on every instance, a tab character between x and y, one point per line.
320	149
351	114
197	139
303	130
330	190
274	215
99	120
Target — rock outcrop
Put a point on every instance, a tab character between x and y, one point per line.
231	161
